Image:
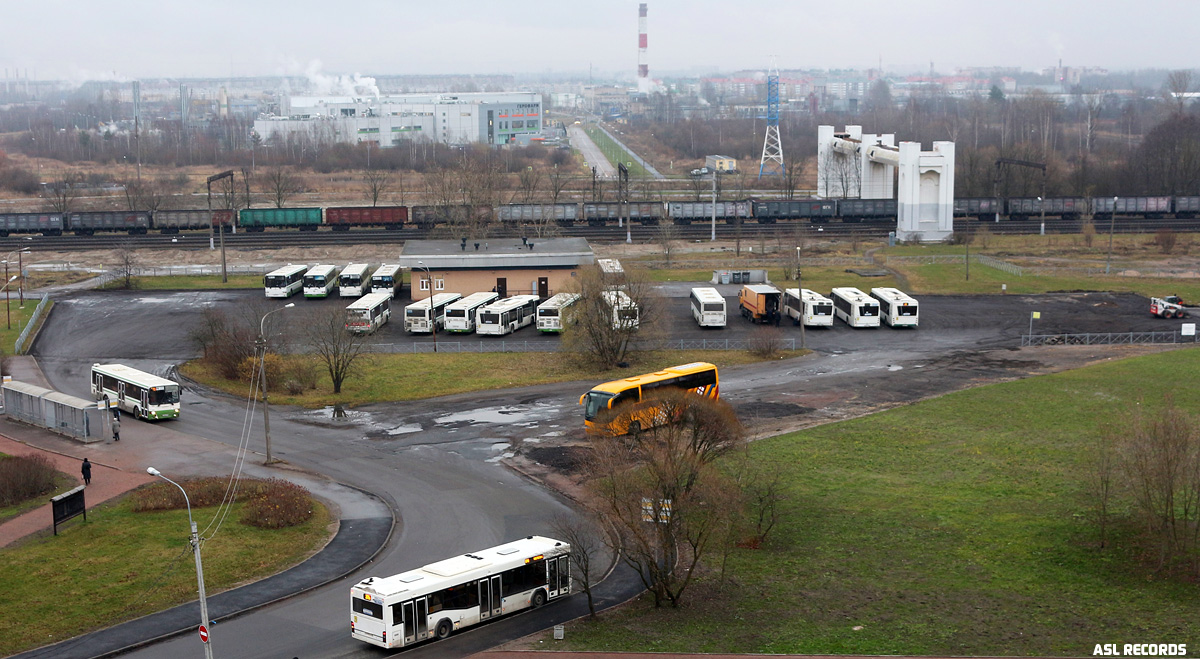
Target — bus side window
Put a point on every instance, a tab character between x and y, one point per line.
396	618
625	397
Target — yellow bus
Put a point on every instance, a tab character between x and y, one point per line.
635	395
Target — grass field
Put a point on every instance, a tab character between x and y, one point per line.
952	527
390	377
191	282
614	153
62	483
119	565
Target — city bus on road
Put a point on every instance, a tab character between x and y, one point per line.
434	601
285	281
553	314
808	308
144	395
387	279
506	316
428	315
353	282
896	308
460	316
708	307
320	280
368	313
632	399
855	307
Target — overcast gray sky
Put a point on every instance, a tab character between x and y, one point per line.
127	39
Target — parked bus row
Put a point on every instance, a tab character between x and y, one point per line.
319	281
764	303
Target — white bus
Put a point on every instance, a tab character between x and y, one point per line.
708	307
460	316
320	280
285	281
435	600
428	315
806	307
896	307
553	314
368	313
506	316
624	310
387	279
144	395
353	282
855	307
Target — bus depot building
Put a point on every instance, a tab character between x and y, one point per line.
508	266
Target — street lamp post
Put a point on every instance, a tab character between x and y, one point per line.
262	376
800	292
432	316
195	541
1042	206
7	292
1112	222
21	271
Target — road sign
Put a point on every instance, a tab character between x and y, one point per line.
203	634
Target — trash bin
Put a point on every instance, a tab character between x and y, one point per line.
745	276
724	276
737	276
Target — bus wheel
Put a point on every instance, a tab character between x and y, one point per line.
538	599
443	629
137	412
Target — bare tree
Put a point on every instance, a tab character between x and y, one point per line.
668	233
377	183
1103	482
586	540
280	184
558	183
127	264
793	172
594	335
341	351
1179	85
146	194
61	194
528	182
666	500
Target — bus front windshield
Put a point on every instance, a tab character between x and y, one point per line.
167	396
277	282
594	401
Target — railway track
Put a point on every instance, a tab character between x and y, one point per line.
694	232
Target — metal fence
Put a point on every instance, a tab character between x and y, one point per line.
1112	338
925	260
32	323
999	265
108	276
554	346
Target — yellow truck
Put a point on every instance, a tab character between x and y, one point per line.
761	303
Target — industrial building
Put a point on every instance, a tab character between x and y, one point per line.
483	118
508	266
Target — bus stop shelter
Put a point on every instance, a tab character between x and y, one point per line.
53	410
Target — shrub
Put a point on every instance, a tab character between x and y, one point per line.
304	372
202	492
1165	240
25	477
765	342
1089	233
276	504
20	180
273	367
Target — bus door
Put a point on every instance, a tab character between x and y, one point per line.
502	287
121	392
564	575
552	577
543	287
496	603
410	630
145	401
99	385
416	620
485	597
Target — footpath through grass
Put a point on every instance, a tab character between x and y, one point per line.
954	527
119	565
392	377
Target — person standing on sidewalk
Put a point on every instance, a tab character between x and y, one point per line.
116	425
86	469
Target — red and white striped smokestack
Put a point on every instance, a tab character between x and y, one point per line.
643	67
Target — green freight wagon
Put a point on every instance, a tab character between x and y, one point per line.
257	219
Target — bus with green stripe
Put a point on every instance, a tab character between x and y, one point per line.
144	395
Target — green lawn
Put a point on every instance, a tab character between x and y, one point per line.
119	565
952	527
191	282
614	153
392	377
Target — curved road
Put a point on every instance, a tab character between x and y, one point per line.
437	462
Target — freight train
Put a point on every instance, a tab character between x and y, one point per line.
816	211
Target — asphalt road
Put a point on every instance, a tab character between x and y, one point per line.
437	462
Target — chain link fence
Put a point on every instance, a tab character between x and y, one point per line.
19	346
554	346
1111	338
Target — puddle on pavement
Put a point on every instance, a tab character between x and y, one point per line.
507	415
404	430
894	367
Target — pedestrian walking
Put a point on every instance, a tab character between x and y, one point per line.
116	428
86	469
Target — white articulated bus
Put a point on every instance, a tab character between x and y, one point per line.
708	307
554	313
624	310
353	282
285	281
806	307
320	280
387	279
368	313
428	315
460	316
144	395
440	598
506	316
855	307
896	308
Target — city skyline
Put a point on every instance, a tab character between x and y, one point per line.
123	40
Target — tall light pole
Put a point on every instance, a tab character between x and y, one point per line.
714	206
800	292
21	271
432	317
262	376
195	541
1112	222
1042	206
